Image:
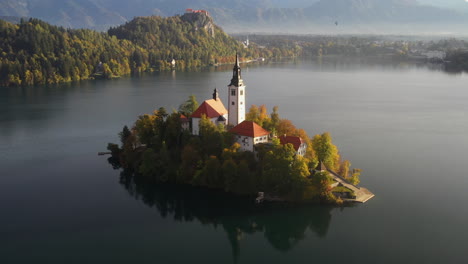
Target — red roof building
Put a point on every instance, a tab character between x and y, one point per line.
299	145
211	108
248	134
183	118
185	122
249	129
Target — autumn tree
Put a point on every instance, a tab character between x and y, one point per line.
145	128
253	114
354	179
344	169
322	181
326	151
285	127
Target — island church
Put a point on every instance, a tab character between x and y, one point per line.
247	133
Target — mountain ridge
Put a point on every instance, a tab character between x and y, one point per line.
242	15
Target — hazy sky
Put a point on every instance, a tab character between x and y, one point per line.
440	3
446	3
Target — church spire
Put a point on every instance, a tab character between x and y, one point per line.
215	94
236	90
236	75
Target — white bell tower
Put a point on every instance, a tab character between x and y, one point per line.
236	101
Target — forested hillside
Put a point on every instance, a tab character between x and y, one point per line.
35	52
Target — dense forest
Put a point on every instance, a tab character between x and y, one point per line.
35	52
157	149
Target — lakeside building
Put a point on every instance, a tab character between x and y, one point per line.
213	109
236	96
247	133
299	145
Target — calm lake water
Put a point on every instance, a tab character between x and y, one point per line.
406	126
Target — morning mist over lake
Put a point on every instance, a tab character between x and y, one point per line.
261	131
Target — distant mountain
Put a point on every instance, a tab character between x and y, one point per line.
294	16
70	13
381	11
460	5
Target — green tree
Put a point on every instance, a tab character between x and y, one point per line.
344	169
253	114
212	173
275	120
246	183
124	135
145	128
162	163
190	164
354	179
148	166
277	168
213	140
326	151
189	106
322	181
230	175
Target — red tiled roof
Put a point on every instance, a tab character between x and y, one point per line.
211	108
249	129
295	141
183	118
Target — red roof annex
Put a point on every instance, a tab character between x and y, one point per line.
249	129
295	141
211	108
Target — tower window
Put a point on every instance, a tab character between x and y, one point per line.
242	92
232	103
233	92
242	103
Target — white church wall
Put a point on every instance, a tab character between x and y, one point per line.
196	125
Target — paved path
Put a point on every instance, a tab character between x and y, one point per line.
362	194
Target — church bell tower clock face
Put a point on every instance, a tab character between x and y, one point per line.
236	96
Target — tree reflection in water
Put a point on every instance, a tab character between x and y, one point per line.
283	225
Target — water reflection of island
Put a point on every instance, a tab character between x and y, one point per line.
284	226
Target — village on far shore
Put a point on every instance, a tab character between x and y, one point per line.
248	137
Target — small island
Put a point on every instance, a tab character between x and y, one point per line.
249	154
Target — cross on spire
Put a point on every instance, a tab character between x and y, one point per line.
236	75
